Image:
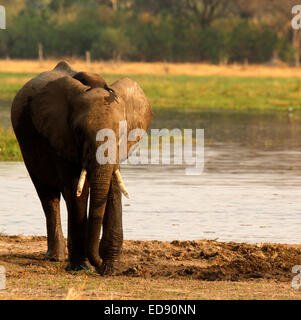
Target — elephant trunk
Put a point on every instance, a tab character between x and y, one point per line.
99	190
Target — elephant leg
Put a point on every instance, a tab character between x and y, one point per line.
112	236
55	240
77	225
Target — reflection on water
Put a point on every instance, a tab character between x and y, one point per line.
268	130
250	189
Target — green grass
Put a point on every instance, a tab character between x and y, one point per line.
196	92
9	148
167	92
234	93
8	91
4	75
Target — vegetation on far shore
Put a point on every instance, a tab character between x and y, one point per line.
163	30
185	92
181	92
9	148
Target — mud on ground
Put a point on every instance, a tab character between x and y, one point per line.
202	260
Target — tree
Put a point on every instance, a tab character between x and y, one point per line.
277	14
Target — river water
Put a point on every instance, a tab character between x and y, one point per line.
249	191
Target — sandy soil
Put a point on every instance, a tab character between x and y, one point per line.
156	270
157	68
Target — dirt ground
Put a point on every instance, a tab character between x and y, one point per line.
155	270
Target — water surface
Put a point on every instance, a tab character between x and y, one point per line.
250	189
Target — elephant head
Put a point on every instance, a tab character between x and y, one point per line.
69	112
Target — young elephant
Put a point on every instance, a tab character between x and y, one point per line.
56	117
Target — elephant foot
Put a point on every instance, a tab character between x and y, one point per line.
55	255
108	268
78	266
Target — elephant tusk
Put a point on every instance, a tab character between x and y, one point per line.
121	184
81	182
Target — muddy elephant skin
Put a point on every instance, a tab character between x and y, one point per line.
56	117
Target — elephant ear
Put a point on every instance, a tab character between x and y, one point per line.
51	109
138	110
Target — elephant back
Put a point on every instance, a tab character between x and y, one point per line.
34	86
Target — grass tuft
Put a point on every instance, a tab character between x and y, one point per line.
9	148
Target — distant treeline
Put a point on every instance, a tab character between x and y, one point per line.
217	31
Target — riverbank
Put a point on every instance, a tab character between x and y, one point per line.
177	100
156	270
184	87
9	148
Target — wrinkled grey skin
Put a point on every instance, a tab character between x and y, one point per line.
55	117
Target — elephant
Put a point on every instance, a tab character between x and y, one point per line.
56	117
